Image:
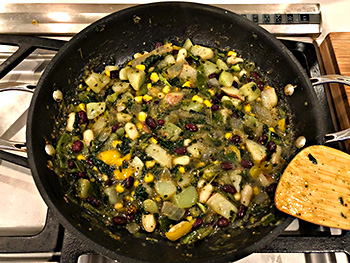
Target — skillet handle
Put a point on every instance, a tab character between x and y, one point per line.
345	80
17	86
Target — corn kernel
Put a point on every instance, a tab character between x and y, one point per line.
116	142
166	89
136	183
232	53
154	77
161	95
132	193
80	157
208	103
108	73
189	218
247	107
176	47
197	99
138	99
141	67
95	168
82	106
139	126
201	164
216	162
267	87
252	114
88	89
154	140
104	178
272	129
211	91
147	98
182	169
157	198
150	164
228	135
282	124
128	198
149	178
119	188
187	84
237	196
242	147
118	206
142	116
256	190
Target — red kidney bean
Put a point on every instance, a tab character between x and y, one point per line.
119	220
235	139
158	44
262	139
260	85
247	164
83	175
89	162
215	107
77	146
271	188
115	127
151	122
218	96
215	184
191	127
250	79
271	146
197	223
71	164
215	101
229	189
128	182
235	115
129	217
213	75
161	122
222	222
226	165
93	201
255	75
155	102
181	150
82	117
241	211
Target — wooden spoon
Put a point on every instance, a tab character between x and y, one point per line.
315	187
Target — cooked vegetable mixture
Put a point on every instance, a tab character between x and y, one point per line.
180	142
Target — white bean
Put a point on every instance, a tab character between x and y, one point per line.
70	122
131	130
50	150
88	136
57	95
247	194
205	193
300	142
149	222
182	160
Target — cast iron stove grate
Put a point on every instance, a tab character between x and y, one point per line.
65	247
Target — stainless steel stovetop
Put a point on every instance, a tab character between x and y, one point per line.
25	216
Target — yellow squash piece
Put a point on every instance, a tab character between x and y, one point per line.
123	173
179	230
113	157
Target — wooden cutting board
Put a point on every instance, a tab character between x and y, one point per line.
335	52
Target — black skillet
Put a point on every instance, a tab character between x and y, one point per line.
122	34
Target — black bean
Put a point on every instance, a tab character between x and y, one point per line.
197	223
235	115
218	96
271	146
229	189
241	211
235	84
271	188
191	127
215	101
247	164
215	107
262	139
250	79
82	117
71	164
222	222
235	139
181	150
82	175
226	165
119	220
77	146
93	201
151	122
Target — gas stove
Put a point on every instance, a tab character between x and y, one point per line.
29	231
